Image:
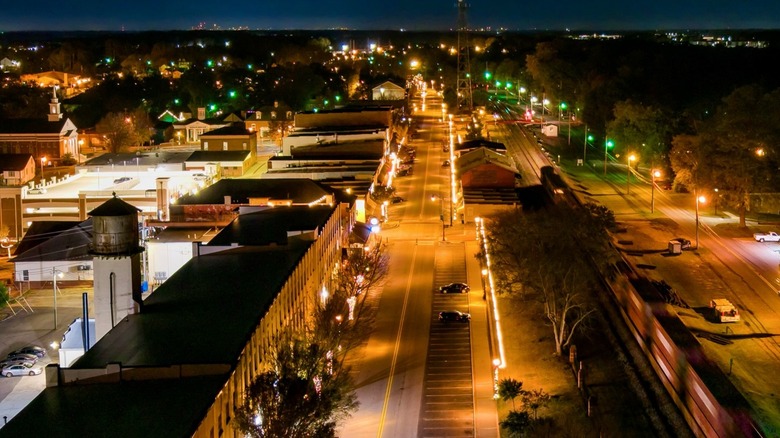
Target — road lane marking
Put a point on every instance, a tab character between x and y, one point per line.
397	347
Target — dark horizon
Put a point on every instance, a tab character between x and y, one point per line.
146	15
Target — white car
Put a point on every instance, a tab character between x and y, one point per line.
41	191
21	370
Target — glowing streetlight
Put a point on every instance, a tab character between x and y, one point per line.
607	144
43	163
631	158
654	174
702	200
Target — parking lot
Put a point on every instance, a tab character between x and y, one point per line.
33	324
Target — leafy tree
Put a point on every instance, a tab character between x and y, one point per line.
550	255
641	129
306	390
517	423
734	151
510	389
300	395
534	400
67	159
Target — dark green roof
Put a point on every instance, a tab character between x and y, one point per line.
14	162
31	126
271	225
299	190
204	314
143	409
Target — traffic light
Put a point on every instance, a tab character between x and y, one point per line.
590	137
563	105
610	144
488	75
508	85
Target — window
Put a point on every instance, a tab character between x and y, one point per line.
224	145
243	145
26	275
205	145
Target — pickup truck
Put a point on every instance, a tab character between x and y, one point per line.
723	310
767	237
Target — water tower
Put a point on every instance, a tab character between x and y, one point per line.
117	263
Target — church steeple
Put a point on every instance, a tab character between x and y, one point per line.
55	114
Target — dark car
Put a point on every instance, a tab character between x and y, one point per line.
454	315
31	349
684	243
445	163
121	180
397	200
454	288
22	357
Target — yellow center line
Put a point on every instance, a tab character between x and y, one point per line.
397	347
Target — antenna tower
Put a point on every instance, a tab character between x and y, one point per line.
464	64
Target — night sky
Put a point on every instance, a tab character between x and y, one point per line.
390	14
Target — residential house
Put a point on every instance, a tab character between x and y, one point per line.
234	137
388	91
16	169
220	164
266	120
55	245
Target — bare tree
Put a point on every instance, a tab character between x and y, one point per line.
345	317
553	256
123	130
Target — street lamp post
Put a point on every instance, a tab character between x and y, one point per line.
43	163
654	174
628	173
699	199
607	144
585	146
54	274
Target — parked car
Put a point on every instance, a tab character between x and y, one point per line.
445	163
121	180
23	357
8	362
397	200
200	177
455	288
21	370
454	315
684	243
40	191
31	349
